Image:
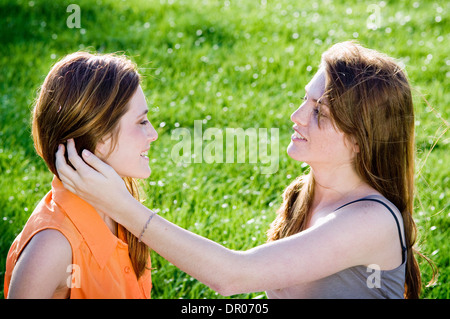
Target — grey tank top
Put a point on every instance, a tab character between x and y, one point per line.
359	282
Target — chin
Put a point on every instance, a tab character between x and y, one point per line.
145	174
293	154
139	175
142	175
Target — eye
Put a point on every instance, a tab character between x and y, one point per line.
316	110
144	122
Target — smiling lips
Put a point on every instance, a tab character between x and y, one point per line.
298	136
144	154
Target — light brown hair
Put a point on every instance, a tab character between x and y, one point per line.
370	102
83	97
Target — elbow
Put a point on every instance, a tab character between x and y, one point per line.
227	289
231	284
234	277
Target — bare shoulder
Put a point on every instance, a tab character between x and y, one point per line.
42	266
373	228
50	243
374	212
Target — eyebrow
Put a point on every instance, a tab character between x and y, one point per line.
143	113
322	98
306	91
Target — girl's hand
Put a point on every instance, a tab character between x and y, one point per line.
97	183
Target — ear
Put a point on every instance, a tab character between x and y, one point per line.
353	144
102	148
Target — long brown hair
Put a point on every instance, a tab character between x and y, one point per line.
83	97
370	101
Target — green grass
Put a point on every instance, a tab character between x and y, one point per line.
231	64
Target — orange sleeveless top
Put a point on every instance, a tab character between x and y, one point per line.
101	266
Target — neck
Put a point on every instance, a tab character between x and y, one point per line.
336	184
112	225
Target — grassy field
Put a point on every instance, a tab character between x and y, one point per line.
229	64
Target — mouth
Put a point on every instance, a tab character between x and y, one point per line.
298	136
144	154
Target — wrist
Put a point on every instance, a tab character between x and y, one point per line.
132	215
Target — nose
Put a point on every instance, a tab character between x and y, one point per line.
300	116
151	133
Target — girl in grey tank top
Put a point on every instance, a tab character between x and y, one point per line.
359	282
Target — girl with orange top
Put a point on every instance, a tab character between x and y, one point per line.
344	230
68	249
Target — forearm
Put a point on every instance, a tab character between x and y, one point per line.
214	265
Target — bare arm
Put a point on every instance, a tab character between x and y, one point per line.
307	256
320	251
40	271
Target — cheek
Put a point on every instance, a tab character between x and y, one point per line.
341	148
332	143
130	135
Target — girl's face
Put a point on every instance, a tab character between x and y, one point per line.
324	145
129	157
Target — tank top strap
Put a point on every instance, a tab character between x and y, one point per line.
404	250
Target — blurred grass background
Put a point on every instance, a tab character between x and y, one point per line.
229	64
